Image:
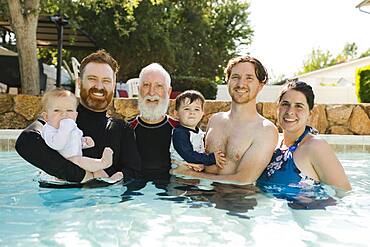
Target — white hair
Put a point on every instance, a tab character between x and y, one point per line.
155	67
153	113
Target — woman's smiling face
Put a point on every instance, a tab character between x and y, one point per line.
293	111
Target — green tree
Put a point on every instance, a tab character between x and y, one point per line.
348	53
365	53
190	38
23	16
318	59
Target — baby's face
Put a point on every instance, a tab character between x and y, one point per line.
60	108
190	114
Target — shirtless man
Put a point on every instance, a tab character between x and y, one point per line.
247	139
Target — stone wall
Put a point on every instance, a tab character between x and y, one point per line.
17	111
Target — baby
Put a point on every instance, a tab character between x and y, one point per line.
187	146
62	134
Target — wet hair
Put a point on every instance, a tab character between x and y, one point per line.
101	56
157	68
56	93
260	70
302	87
192	95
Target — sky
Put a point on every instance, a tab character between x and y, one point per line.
286	31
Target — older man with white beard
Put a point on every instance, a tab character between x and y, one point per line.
153	128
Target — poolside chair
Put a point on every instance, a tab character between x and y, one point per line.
133	87
76	71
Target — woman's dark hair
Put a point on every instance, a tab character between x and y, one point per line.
302	87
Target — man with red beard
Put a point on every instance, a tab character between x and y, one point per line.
97	82
246	138
153	128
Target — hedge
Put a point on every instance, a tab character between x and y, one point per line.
363	84
206	86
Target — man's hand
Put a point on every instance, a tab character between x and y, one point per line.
182	170
220	159
87	142
195	167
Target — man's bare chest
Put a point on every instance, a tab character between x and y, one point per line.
233	142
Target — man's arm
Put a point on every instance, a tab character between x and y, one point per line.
130	157
251	165
126	149
32	147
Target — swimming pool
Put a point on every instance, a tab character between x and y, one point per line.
175	214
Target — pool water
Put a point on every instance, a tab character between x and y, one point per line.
179	212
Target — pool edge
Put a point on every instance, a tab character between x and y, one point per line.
340	143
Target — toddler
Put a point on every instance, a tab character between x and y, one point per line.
187	144
62	134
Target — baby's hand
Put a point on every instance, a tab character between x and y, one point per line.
87	142
195	167
220	159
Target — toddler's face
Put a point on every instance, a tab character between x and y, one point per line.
58	109
190	114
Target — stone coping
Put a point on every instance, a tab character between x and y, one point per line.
340	143
9	133
17	112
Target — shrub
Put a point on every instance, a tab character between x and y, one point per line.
206	86
363	84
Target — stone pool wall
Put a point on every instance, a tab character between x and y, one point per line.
17	111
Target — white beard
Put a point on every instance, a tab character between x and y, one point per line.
153	113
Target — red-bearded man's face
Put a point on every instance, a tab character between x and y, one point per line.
97	86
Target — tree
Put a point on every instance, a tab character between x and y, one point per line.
207	35
348	53
190	38
23	19
318	59
365	53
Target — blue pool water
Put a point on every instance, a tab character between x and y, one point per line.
182	212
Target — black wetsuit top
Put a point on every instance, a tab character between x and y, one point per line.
106	132
153	142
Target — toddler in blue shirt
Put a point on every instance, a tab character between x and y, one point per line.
187	146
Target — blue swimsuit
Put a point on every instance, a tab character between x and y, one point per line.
282	170
284	180
283	177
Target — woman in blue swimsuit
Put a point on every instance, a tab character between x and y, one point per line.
302	157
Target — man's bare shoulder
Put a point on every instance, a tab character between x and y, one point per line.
219	117
266	127
266	134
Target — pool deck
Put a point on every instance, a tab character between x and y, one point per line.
340	143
